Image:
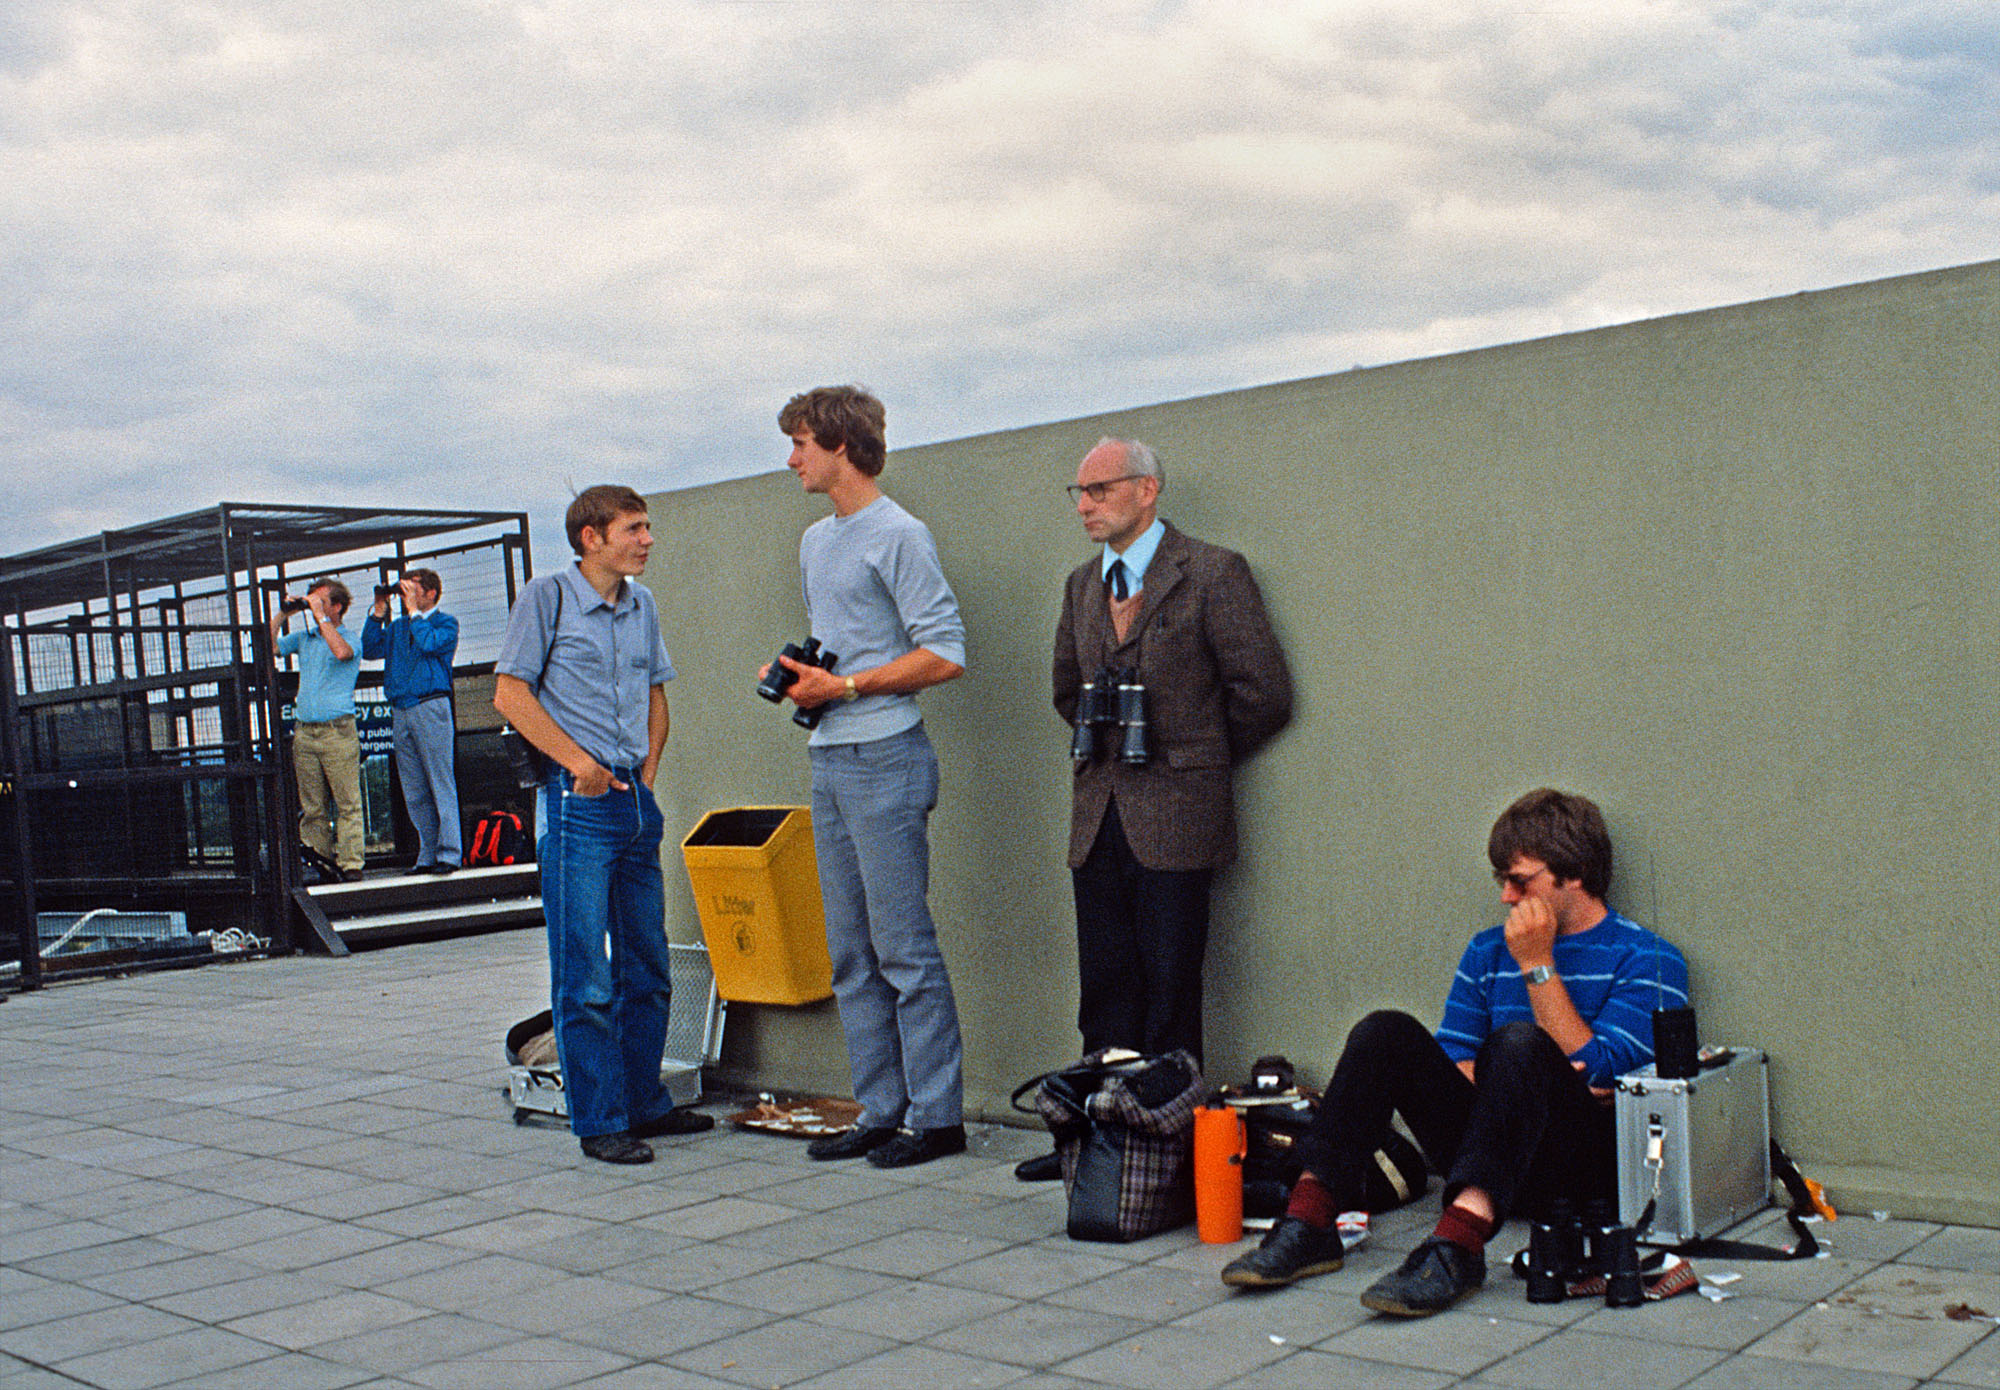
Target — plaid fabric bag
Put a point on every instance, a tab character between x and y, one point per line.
1125	1131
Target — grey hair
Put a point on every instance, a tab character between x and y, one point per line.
1140	458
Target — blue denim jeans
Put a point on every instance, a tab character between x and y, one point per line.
603	896
871	804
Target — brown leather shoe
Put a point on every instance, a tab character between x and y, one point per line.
676	1121
910	1147
851	1143
617	1148
1041	1168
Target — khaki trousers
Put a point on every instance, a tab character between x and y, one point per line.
327	759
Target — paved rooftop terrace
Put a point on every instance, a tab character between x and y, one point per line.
302	1173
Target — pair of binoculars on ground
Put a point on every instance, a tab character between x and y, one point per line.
1568	1255
1111	713
781	678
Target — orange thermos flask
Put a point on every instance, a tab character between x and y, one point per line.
1220	1143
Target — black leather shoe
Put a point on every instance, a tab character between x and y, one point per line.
1290	1250
913	1146
1434	1276
617	1148
675	1121
851	1143
1041	1168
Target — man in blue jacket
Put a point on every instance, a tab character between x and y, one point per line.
1510	1098
415	651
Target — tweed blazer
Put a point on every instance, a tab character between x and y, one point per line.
1217	689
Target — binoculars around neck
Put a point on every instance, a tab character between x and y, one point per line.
1110	710
781	678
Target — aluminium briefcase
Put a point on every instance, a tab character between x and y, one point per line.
1699	1147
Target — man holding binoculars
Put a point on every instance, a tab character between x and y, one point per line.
326	749
877	597
1169	673
416	651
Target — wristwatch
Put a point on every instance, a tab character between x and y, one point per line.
1538	975
849	695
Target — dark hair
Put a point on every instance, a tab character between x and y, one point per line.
838	415
1564	831
427	580
335	590
597	507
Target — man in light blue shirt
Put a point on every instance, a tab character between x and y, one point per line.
326	749
877	598
582	675
416	651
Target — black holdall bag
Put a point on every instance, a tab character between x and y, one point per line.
1277	1115
1125	1132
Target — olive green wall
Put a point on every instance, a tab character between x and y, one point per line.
1731	574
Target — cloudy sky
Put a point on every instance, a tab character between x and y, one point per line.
462	252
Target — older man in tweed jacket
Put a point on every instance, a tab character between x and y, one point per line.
1145	840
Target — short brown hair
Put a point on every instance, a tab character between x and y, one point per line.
335	590
1564	831
427	580
597	507
838	415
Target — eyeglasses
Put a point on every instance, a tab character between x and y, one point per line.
1518	882
1096	491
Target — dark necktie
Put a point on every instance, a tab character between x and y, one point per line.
1118	590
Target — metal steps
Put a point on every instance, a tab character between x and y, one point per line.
387	908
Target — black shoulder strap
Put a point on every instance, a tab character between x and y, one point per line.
554	627
1806	1201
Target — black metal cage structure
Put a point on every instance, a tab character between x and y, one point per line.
143	784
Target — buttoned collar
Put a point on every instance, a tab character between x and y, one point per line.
1137	556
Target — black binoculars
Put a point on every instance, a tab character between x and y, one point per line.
383	591
780	677
1568	1255
1113	700
293	605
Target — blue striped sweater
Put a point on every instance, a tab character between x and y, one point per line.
1616	973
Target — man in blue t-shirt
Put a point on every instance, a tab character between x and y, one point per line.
326	750
877	598
1510	1099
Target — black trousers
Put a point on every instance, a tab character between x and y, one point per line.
1528	1132
1140	937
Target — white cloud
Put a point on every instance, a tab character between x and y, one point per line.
292	250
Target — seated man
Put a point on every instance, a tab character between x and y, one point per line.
1511	1098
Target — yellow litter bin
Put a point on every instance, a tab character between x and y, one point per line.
756	886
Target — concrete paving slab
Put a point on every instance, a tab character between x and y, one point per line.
916	1365
675	1324
778	1354
1038	1335
911	1309
195	1354
1175	1358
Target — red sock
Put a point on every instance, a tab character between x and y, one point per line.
1465	1228
1312	1202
